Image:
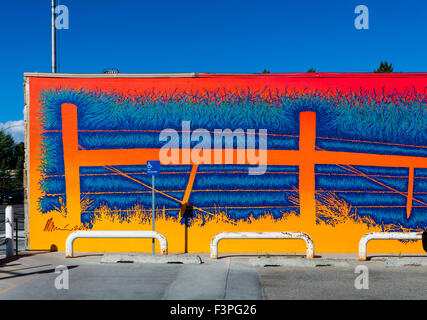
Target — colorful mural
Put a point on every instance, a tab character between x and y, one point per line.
346	155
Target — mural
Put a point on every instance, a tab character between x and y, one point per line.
346	155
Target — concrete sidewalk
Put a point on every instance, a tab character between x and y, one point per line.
21	243
232	277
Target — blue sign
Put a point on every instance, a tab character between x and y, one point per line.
153	167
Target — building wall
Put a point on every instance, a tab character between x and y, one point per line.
346	155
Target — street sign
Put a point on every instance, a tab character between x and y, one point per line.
153	167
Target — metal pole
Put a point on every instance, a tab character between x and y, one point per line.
53	38
9	231
16	236
152	213
186	234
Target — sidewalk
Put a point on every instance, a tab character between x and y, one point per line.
21	243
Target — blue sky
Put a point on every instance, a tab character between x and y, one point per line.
138	36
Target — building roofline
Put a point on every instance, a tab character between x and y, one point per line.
109	75
212	75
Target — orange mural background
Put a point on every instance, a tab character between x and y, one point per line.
48	231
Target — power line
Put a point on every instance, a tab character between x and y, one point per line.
15	125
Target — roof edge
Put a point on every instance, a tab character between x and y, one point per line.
110	75
225	75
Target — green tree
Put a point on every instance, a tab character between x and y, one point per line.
266	71
19	159
384	68
311	70
7	161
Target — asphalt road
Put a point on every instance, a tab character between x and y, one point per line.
408	283
32	276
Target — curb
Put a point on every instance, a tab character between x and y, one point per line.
408	261
146	258
297	262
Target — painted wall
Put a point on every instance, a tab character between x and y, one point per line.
346	155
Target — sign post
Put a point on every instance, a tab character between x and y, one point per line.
153	168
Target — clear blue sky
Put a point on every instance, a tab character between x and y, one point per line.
138	36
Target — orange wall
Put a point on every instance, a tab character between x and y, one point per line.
339	239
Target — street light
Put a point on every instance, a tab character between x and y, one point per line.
53	38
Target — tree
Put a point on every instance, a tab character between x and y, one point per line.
266	71
311	70
19	159
7	161
384	68
111	70
12	158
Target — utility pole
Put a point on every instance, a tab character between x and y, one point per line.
53	38
153	216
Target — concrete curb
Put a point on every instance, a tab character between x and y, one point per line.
148	258
297	262
406	261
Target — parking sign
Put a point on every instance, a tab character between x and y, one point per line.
153	167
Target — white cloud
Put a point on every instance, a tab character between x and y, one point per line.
15	129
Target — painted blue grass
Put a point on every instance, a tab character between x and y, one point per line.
396	216
236	215
128	201
111	183
247	214
52	163
145	213
122	140
345	146
421	197
244	168
121	183
239	199
373	199
110	111
418	218
380	124
49	203
198	217
345	115
389	171
420	172
56	185
53	185
420	185
52	154
97	102
359	183
395	118
175	168
135	140
134	168
243	181
280	143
